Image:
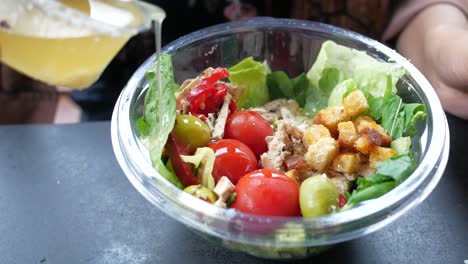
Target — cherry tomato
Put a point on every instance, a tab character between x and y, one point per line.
267	192
233	159
250	128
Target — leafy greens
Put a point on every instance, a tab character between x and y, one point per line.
159	114
281	86
389	174
397	118
250	76
336	63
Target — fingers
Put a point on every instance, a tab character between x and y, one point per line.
449	56
454	101
436	42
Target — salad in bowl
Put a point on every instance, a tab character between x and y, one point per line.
265	143
280	137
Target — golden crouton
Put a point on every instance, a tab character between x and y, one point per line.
380	154
363	145
330	117
314	133
321	154
347	135
376	137
347	162
355	103
364	123
294	174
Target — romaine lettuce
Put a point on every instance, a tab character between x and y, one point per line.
336	63
250	76
340	91
369	73
159	113
281	86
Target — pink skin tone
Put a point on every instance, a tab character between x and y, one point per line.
436	41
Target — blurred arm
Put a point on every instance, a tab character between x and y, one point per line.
435	40
409	9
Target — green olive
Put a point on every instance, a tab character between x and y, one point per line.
191	132
318	195
201	192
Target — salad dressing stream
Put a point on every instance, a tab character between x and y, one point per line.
157	22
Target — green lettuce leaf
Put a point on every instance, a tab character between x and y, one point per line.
168	173
340	91
250	76
397	118
319	94
389	174
410	114
369	74
159	114
398	167
371	192
281	86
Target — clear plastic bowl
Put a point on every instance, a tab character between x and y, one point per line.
292	45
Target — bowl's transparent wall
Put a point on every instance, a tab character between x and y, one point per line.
292	48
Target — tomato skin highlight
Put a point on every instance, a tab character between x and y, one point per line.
233	159
267	192
250	128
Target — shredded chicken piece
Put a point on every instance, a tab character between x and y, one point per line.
187	86
224	189
286	141
342	184
279	105
210	121
275	105
286	113
282	109
269	117
218	131
277	144
235	90
350	176
366	170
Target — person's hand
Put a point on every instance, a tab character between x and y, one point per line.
436	42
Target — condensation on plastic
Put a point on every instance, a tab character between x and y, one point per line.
290	45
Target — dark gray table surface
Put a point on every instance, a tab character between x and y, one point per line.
64	199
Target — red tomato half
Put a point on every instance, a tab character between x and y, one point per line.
233	159
267	192
250	128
